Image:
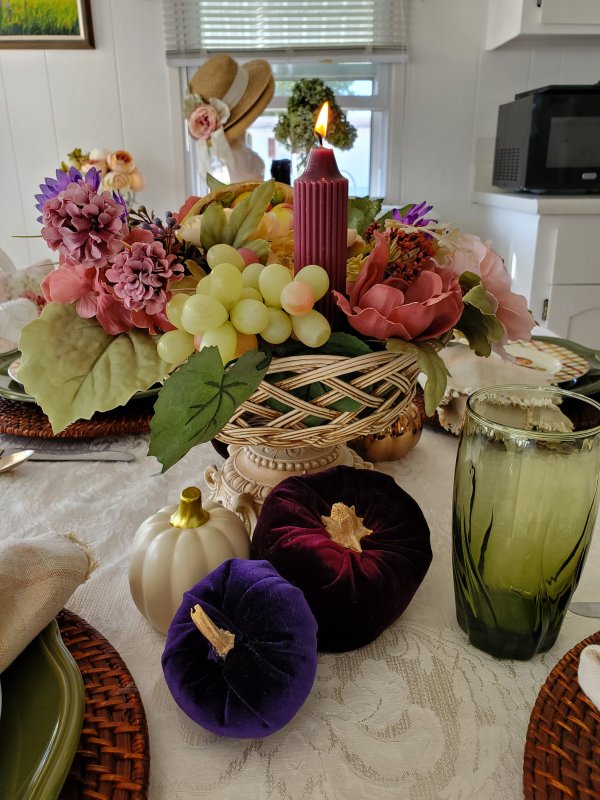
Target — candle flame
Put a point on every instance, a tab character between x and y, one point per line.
321	124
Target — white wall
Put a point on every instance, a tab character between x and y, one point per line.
122	95
116	96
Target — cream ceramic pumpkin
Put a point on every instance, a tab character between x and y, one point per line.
177	547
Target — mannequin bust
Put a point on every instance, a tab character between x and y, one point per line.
245	164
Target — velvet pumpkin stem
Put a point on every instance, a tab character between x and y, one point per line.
222	640
345	527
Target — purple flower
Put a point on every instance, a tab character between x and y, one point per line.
85	227
53	187
415	215
140	276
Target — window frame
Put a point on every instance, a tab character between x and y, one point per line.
383	170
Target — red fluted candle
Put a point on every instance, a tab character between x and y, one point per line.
321	220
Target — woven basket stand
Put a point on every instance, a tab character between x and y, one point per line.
382	384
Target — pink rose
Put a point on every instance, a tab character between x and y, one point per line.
473	255
428	307
203	121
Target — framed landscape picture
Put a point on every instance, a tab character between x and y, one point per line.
46	24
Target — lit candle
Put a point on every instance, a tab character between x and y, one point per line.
321	218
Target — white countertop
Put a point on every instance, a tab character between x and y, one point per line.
538	203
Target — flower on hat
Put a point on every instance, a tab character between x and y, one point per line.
204	118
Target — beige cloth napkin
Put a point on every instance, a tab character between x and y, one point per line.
588	673
37	577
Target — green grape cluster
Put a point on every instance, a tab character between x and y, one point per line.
238	301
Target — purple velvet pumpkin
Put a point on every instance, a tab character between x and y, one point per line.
354	542
261	664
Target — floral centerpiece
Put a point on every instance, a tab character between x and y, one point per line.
205	298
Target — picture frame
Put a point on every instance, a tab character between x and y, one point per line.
46	24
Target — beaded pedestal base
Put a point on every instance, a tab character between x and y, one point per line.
251	471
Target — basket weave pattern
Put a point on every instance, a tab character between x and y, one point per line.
112	759
381	383
562	751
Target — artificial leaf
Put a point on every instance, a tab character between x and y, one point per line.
247	214
74	368
213	183
478	322
431	364
212	226
362	211
199	399
338	344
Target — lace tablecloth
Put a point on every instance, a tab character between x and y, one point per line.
419	714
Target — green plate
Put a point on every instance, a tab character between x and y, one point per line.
588	384
42	715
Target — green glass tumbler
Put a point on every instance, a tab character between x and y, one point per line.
525	501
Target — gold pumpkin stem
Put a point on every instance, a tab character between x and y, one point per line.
222	640
345	527
190	513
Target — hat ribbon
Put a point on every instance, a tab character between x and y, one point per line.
236	91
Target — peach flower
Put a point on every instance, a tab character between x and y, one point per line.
116	182
476	256
137	180
427	308
120	161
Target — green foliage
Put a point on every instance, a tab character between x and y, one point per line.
39	18
478	322
74	368
295	129
199	399
431	364
362	211
243	221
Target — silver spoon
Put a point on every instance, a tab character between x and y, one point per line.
10	462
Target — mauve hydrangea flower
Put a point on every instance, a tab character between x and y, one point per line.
53	187
140	277
86	228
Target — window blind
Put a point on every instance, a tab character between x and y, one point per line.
285	30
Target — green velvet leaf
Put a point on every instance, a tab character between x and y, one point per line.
212	226
74	368
247	214
362	211
199	399
431	364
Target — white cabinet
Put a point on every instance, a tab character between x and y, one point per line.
551	246
530	19
575	312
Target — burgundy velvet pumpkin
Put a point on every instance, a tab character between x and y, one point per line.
358	582
261	664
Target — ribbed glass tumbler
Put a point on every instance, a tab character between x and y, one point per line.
525	502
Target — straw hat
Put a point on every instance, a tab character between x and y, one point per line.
246	89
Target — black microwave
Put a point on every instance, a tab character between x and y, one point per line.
548	141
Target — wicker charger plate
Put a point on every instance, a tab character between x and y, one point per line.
562	750
113	756
27	419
